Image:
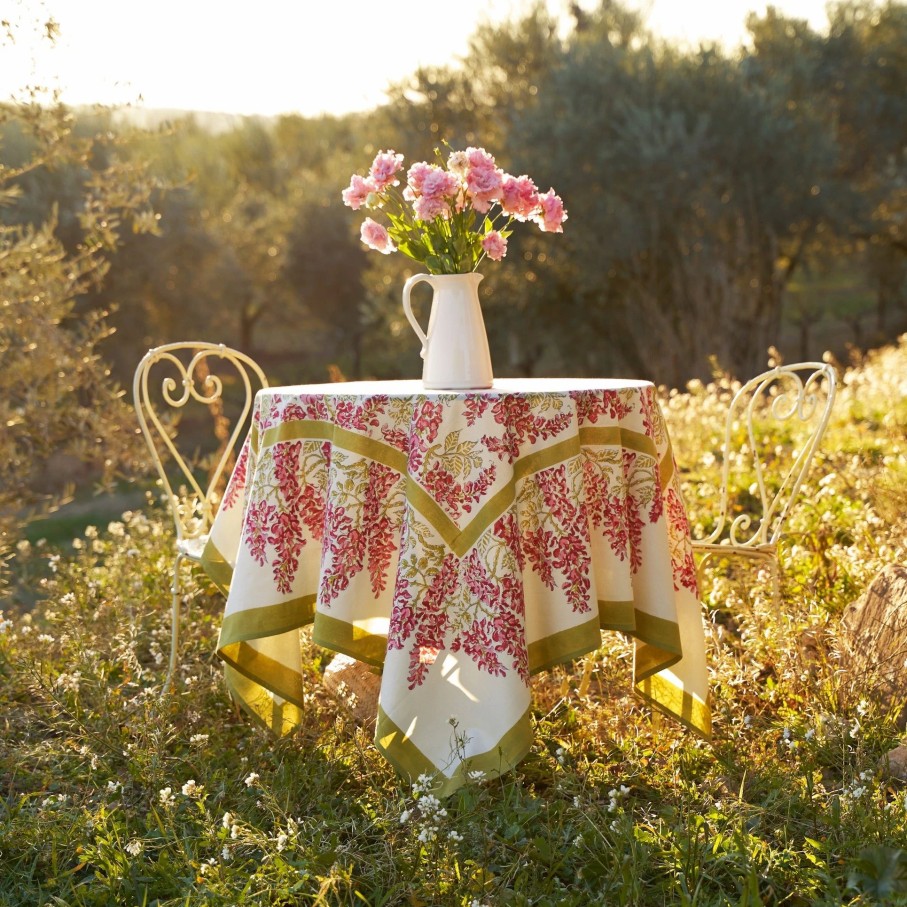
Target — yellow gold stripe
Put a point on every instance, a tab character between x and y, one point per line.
279	718
254	623
264	671
690	711
564	646
349	639
410	761
216	566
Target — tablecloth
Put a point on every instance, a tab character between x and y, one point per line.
459	542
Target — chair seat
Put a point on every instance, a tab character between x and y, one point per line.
192	548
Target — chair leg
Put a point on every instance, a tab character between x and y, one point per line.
174	623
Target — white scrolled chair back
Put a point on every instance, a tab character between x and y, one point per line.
801	394
167	379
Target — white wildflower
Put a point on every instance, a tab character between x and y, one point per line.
251	779
404	817
191	789
282	840
227	821
69	683
135	847
454	836
165	795
198	739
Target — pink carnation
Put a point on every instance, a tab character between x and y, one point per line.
552	214
480	159
416	177
427	207
484	181
495	245
376	237
484	187
385	168
519	197
358	191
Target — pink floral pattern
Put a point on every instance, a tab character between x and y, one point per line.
461	451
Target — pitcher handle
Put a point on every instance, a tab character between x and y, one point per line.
407	308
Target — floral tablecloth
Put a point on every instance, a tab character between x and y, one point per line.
459	542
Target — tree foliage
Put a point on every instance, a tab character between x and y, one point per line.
701	187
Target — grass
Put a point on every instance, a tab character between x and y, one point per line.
115	794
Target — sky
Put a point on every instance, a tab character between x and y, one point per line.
286	56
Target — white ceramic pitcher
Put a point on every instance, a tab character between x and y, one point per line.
455	347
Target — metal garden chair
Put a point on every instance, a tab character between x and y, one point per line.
167	379
800	394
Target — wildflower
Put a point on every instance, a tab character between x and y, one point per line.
226	854
404	817
455	836
116	529
428	834
165	795
114	786
5	623
251	779
191	789
477	775
282	840
135	847
422	784
69	683
560	755
91	532
227	821
46	638
198	739
23	546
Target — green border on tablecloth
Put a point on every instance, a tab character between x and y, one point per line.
282	718
410	761
254	623
660	639
349	639
690	711
563	646
215	565
264	671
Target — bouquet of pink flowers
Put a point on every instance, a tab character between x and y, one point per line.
449	216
